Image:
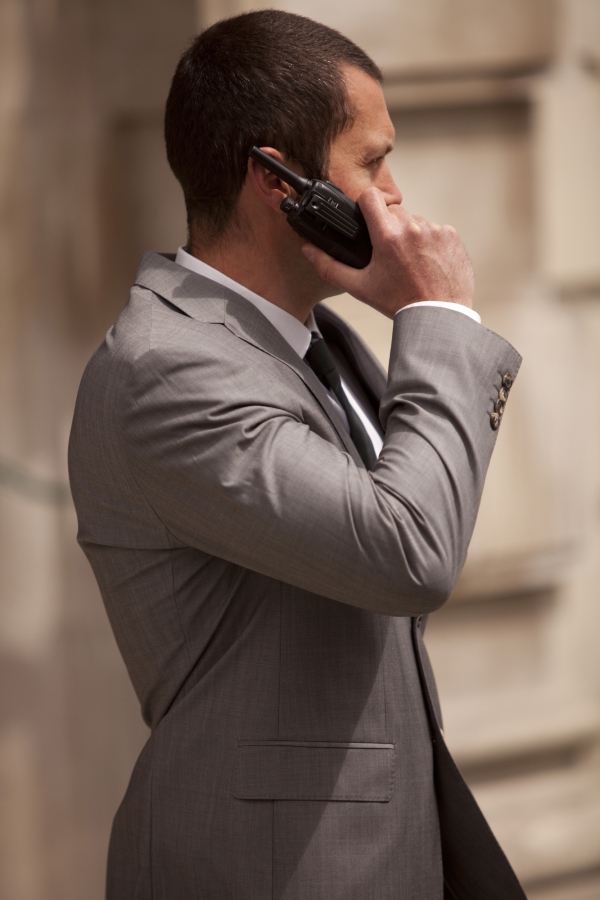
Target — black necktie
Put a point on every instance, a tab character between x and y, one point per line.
321	362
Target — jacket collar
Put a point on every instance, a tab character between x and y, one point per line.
206	301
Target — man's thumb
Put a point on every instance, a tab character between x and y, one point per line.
330	269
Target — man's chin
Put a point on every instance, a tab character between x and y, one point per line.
330	290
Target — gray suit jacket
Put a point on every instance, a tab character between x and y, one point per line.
260	584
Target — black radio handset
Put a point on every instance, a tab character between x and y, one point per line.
322	214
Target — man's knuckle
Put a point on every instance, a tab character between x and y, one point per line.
389	230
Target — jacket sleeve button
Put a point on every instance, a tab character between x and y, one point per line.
502	395
507	381
494	421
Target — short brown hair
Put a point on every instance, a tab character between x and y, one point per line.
269	78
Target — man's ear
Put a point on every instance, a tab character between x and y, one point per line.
269	188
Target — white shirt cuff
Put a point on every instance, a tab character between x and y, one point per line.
459	307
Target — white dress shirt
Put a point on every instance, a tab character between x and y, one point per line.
298	335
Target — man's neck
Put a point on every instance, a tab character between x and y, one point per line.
284	285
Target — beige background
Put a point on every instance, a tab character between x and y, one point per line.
497	112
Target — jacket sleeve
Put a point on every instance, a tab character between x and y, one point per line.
248	481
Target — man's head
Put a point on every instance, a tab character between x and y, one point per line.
268	78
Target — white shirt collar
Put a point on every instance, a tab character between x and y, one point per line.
291	329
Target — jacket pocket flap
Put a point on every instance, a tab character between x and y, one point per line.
314	770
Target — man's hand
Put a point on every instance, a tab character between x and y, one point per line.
412	260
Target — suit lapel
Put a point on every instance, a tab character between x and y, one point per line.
366	367
206	301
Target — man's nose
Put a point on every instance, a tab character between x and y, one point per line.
393	197
390	189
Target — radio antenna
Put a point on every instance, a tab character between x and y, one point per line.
273	165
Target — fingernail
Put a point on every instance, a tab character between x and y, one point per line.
308	252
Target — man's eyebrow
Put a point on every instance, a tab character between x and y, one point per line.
376	152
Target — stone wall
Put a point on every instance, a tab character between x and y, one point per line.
82	86
497	113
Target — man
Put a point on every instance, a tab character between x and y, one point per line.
269	522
